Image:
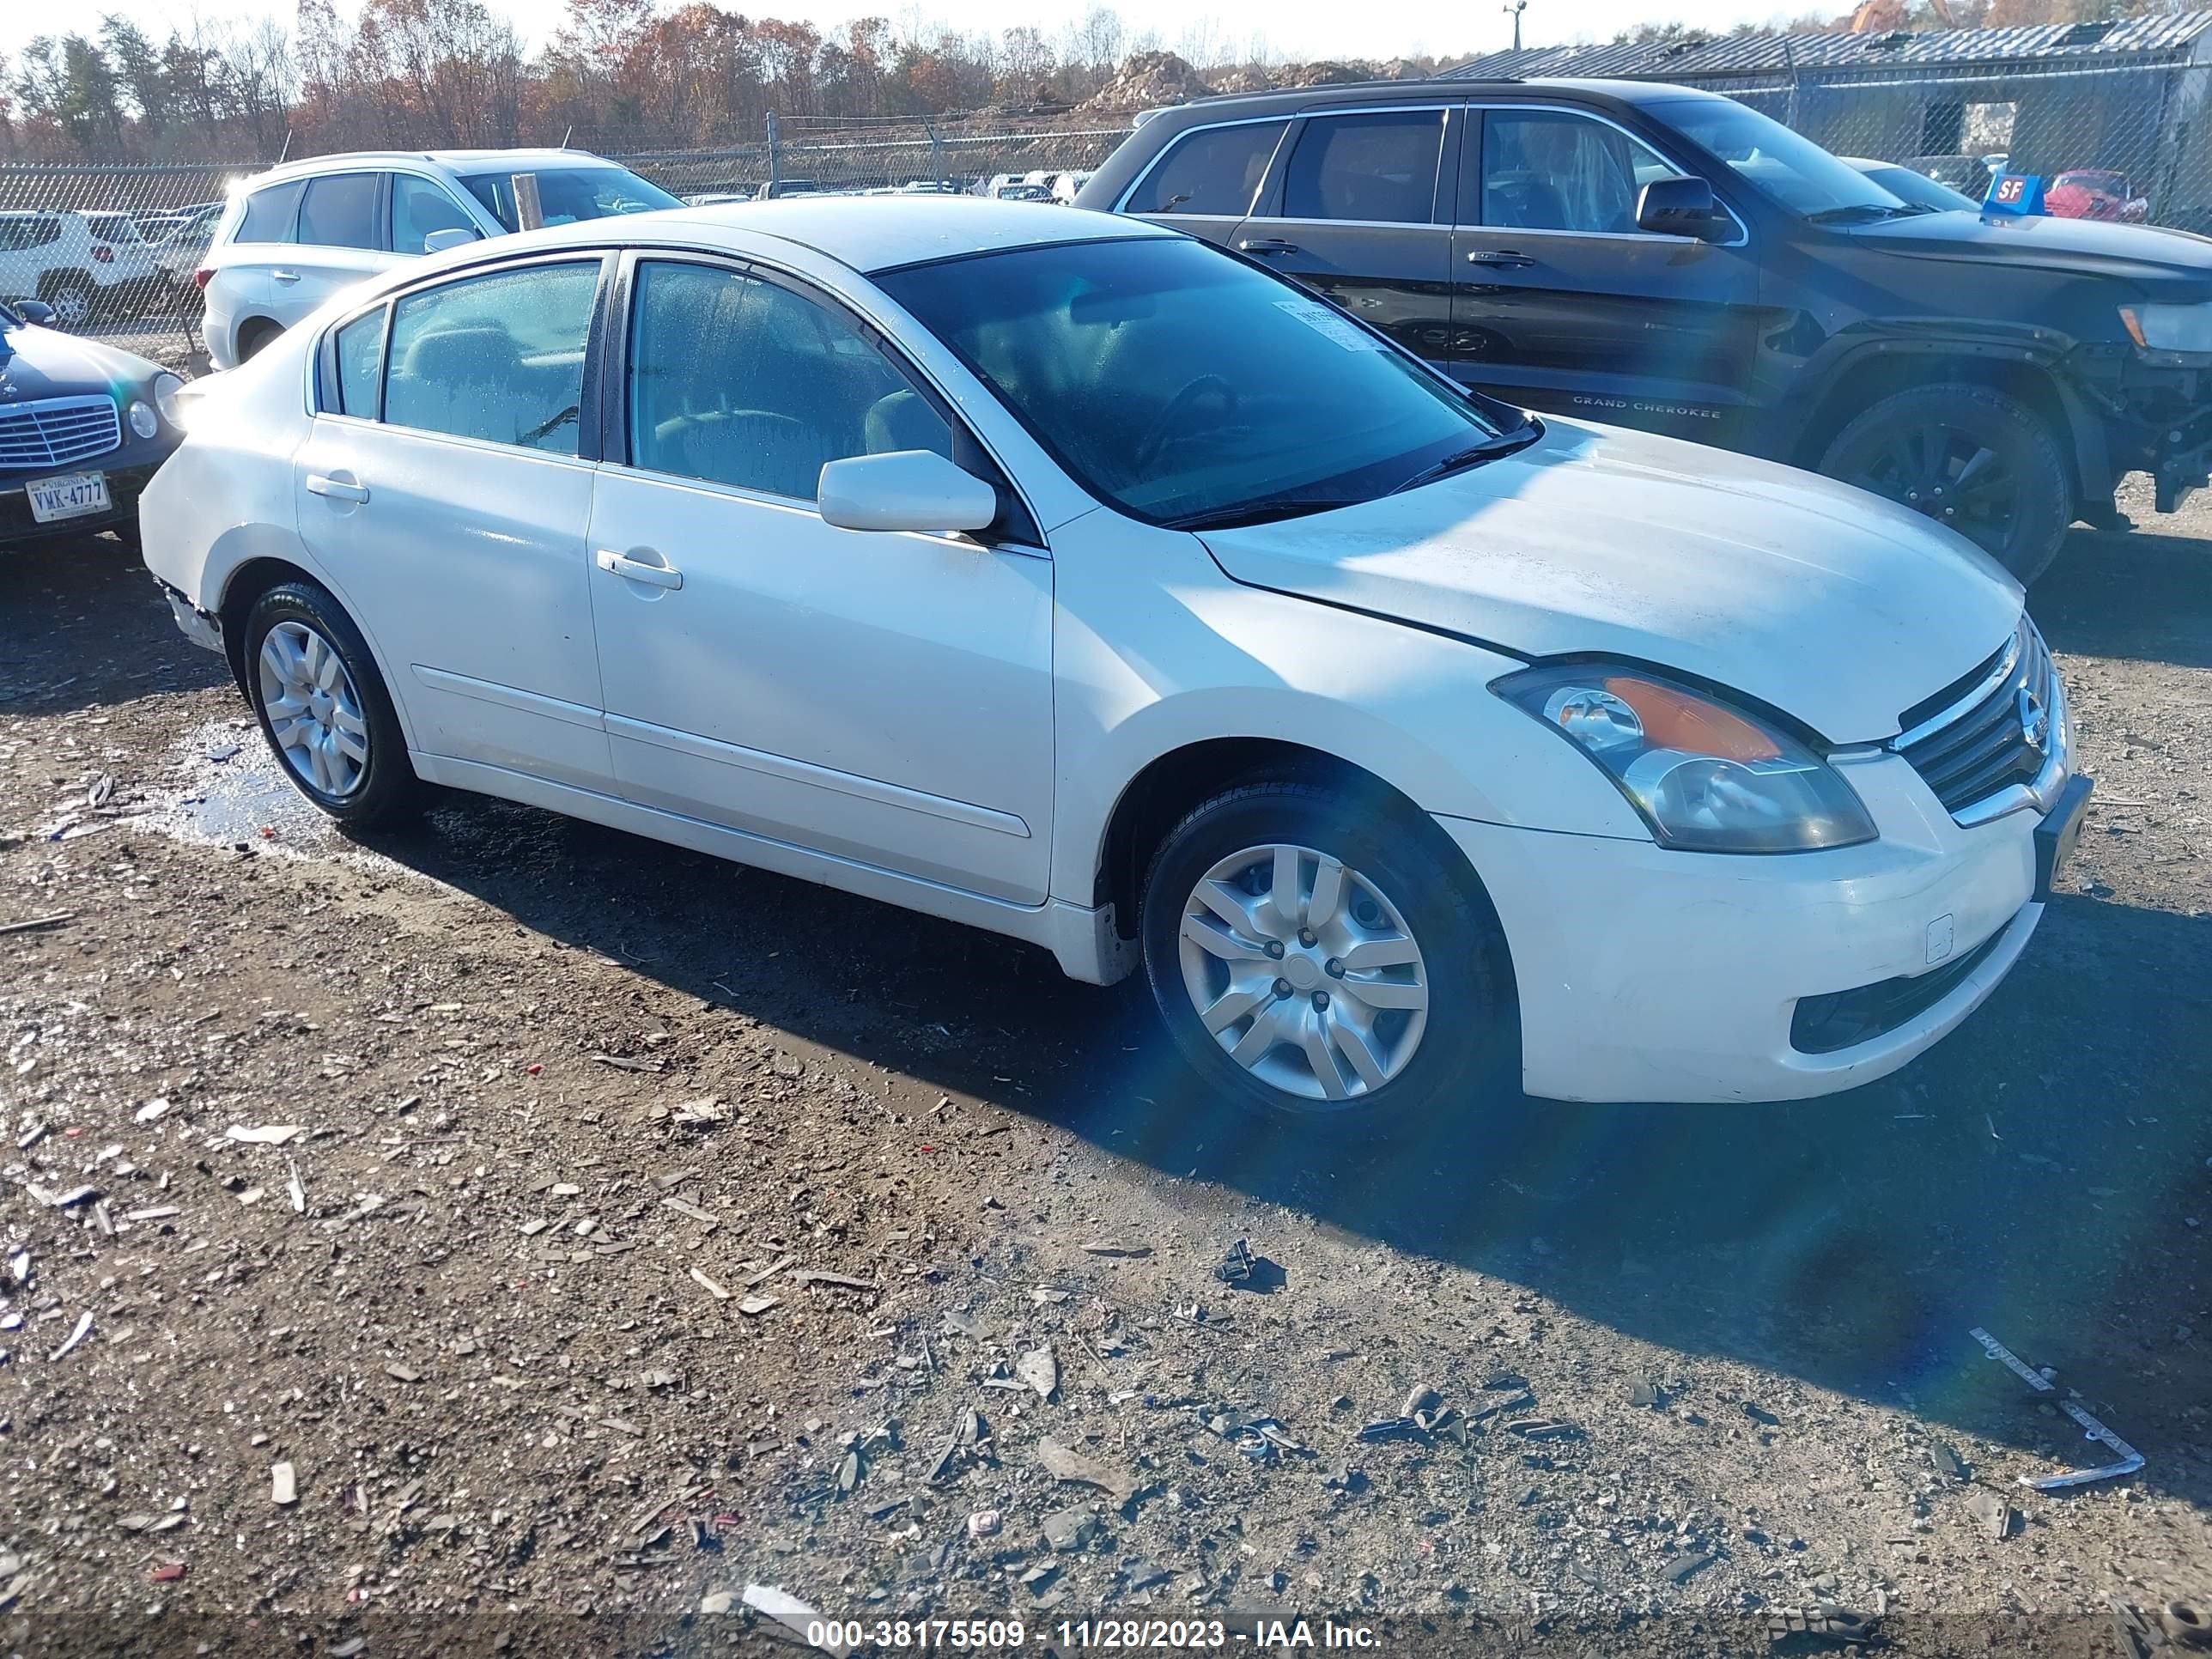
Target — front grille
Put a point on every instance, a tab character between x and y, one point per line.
1967	754
57	431
1843	1019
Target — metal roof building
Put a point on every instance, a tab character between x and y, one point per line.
2128	95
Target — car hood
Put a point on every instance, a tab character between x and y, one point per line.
1833	605
2091	247
43	362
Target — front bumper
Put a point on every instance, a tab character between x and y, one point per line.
128	470
1646	974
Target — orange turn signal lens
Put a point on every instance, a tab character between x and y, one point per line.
1676	720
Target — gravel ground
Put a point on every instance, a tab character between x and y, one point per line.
491	1220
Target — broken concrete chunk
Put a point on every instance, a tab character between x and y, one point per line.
795	1615
1065	1463
1040	1369
1071	1529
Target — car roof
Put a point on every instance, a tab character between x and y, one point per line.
1288	99
868	234
458	160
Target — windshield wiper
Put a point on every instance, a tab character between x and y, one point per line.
1501	443
1837	214
1266	510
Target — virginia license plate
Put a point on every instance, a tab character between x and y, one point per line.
72	495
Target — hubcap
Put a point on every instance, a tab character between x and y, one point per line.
72	308
1305	973
314	711
1945	474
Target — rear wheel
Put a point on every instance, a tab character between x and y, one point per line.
253	335
71	297
1968	457
324	708
1315	960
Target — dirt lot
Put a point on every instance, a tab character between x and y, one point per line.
517	1320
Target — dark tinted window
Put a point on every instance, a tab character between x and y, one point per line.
270	213
498	357
738	382
1381	167
360	365
1549	170
28	230
340	211
418	208
1215	171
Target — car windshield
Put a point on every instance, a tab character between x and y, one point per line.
1917	189
568	195
112	227
1779	163
1185	387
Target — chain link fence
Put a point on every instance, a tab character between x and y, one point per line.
112	249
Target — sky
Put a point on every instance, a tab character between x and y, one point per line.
1291	28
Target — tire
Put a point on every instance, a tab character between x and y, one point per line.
346	752
71	296
1459	1048
1919	447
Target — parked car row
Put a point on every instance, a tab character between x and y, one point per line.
86	267
1672	260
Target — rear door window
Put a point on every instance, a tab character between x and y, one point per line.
1379	168
339	211
498	358
1215	170
270	213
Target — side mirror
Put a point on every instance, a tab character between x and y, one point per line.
906	489
1679	206
459	236
37	312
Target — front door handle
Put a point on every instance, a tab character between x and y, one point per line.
283	276
637	570
1266	245
339	489
1505	258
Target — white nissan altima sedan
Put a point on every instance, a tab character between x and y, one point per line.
1068	577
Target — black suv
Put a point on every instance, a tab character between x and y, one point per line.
1652	256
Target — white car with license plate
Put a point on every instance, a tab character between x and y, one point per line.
1082	582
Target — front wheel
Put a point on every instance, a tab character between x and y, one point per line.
1317	961
324	708
1968	457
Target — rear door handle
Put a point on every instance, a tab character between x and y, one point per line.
283	276
337	489
1266	245
1505	258
637	570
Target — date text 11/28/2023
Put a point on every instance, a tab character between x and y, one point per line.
1067	1635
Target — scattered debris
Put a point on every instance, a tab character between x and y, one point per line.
754	1306
36	923
841	1281
795	1616
2130	1460
1642	1391
983	1523
1067	1530
710	1287
1115	1249
1995	1514
83	1329
269	1134
1948	1468
1064	1463
1040	1369
282	1486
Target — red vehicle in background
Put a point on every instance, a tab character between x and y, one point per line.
2095	193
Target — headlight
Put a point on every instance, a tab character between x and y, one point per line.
1706	777
166	389
142	418
2169	328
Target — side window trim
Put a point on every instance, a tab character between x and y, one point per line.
1277	187
619	307
329	389
1289	122
1475	113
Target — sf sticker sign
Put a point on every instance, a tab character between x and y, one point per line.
2014	196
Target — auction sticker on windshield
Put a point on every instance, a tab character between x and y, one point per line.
70	496
1324	321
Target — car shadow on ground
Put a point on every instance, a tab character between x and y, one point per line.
2032	1174
2138	597
81	624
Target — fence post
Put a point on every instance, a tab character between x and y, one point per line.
936	151
1790	63
774	151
